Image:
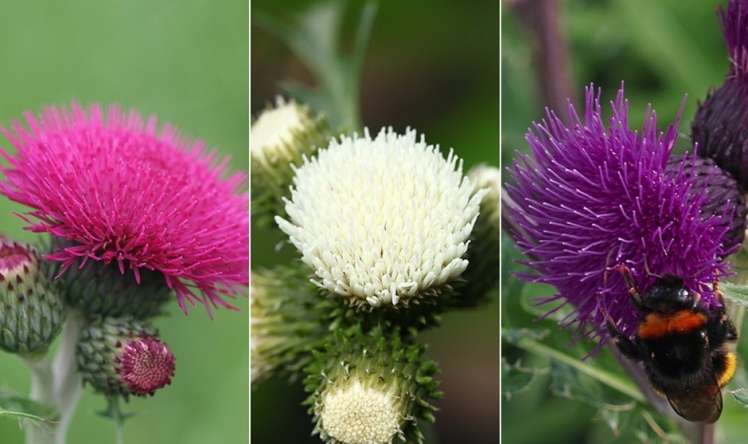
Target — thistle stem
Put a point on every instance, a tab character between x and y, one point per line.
58	384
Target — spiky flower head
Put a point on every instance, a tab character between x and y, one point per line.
31	310
288	320
370	388
280	138
383	220
484	251
124	356
720	127
723	196
590	198
125	194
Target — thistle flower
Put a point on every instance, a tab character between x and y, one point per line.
382	221
590	198
281	137
720	127
31	311
288	320
484	251
124	194
723	197
370	388
123	356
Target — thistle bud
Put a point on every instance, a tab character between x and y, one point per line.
281	137
722	197
484	251
101	289
287	322
124	356
31	310
370	388
720	126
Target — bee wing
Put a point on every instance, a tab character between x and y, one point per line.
700	404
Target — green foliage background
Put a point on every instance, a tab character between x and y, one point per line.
662	50
186	62
432	68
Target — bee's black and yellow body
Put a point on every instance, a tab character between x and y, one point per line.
683	348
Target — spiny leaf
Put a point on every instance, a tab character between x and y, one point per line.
647	430
528	340
740	395
19	407
568	382
515	378
735	292
514	335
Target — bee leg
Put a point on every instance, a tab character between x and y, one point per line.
720	328
628	279
626	346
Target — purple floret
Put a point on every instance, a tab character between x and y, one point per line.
590	198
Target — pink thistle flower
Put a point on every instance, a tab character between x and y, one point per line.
121	191
145	365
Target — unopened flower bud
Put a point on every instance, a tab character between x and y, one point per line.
280	138
123	356
370	388
720	126
288	320
722	196
484	252
31	310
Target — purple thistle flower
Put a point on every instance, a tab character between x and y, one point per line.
591	198
122	192
720	127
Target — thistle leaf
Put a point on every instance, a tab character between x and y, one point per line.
735	292
516	378
19	407
740	395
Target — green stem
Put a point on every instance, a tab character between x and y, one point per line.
606	378
57	384
120	434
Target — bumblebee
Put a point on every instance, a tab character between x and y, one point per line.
682	346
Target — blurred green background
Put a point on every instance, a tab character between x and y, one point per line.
662	50
433	68
186	62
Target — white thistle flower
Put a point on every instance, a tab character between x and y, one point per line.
382	220
357	414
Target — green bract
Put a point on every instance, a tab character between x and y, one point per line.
101	289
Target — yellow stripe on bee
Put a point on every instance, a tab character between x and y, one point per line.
731	364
